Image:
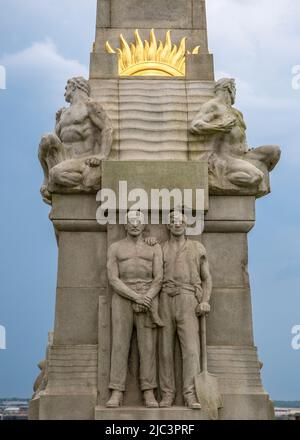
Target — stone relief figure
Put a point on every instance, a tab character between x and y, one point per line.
71	157
185	296
135	272
41	382
233	167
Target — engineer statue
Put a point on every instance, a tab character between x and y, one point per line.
71	157
135	272
185	296
232	164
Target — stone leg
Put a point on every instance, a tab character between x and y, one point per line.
146	338
51	153
187	325
166	347
122	326
242	173
68	173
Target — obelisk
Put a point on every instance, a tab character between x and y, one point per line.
152	73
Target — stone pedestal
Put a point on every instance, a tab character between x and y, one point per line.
79	359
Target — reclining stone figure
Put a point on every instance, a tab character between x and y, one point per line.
233	167
71	157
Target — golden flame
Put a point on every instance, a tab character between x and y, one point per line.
151	58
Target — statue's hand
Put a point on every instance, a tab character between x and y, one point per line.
137	308
140	300
202	309
151	241
144	301
46	195
93	162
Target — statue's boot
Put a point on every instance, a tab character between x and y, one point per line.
167	401
192	402
115	400
150	400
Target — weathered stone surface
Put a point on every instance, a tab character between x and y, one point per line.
76	317
229	265
80	261
230	322
64	406
163	14
169	175
74	207
142	13
200	67
231	208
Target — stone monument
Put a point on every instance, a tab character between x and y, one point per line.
126	341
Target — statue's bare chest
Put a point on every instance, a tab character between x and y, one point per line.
135	253
75	115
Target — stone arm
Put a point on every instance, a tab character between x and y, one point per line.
101	121
210	120
204	307
116	283
57	123
206	279
157	273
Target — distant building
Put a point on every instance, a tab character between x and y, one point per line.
13	409
287	413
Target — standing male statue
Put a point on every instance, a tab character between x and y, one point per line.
185	296
135	272
71	157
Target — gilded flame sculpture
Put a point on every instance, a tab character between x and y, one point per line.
151	58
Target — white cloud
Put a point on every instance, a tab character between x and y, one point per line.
249	96
43	56
41	64
249	25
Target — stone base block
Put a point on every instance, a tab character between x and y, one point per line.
134	413
67	407
34	409
236	407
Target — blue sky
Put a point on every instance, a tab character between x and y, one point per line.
42	44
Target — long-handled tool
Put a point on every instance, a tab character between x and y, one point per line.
206	384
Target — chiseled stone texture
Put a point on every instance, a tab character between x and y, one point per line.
71	392
151	118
